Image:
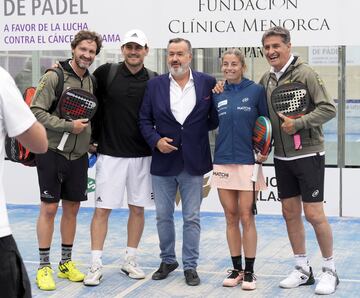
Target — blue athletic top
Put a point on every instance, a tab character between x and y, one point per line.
238	108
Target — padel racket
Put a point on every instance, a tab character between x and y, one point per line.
262	135
76	104
293	101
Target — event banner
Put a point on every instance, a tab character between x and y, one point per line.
51	24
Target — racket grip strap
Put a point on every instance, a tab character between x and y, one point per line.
254	176
63	141
297	141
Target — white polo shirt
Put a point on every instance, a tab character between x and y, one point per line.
15	118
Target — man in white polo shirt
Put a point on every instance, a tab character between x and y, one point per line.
16	120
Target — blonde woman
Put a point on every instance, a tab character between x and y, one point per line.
238	106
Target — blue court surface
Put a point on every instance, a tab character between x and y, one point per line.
274	258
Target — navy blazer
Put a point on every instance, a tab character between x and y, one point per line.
191	138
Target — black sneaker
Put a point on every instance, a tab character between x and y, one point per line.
191	277
164	270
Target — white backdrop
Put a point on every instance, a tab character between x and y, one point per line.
21	187
51	24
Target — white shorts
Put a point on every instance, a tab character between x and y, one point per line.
115	174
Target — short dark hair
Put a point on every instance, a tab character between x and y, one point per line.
277	31
178	40
87	35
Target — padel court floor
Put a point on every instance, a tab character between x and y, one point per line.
274	257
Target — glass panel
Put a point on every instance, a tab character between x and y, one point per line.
352	111
322	59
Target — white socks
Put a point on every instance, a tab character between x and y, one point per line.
329	263
130	252
96	257
302	261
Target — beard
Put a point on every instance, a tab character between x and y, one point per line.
81	63
180	70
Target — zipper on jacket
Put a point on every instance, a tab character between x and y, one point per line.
279	120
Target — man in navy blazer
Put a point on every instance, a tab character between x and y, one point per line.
176	115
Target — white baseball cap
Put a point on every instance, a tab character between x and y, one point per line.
136	36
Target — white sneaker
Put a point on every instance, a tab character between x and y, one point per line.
298	277
327	283
132	269
94	275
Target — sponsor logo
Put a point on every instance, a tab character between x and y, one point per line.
315	193
99	199
245	99
90	185
47	195
293	104
245	109
84	102
221	175
222	103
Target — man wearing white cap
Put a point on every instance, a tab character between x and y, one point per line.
124	158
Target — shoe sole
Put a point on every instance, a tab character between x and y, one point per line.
231	285
129	274
64	276
93	284
44	289
248	288
309	282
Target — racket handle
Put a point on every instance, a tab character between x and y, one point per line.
254	176
297	141
63	141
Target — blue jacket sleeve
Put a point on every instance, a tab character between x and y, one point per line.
213	121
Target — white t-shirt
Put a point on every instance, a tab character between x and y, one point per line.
15	118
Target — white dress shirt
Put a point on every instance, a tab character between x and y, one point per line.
182	101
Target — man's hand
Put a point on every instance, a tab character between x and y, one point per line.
93	148
219	87
79	125
288	125
164	146
55	64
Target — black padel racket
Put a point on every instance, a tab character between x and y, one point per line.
292	100
76	104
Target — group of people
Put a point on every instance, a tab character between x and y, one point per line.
150	135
